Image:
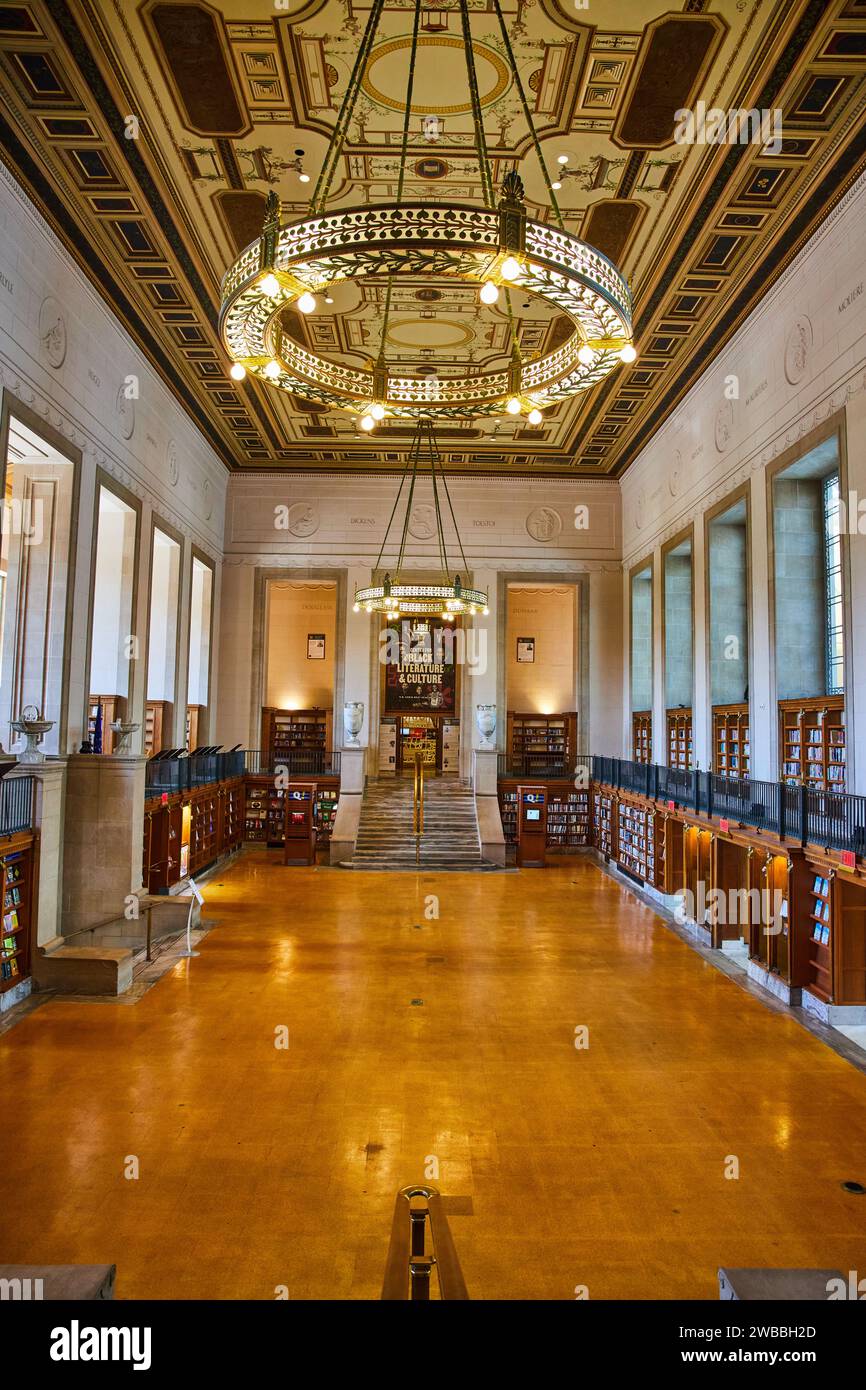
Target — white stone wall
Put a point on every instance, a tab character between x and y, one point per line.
510	528
800	358
73	380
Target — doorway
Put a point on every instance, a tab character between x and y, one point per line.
419	733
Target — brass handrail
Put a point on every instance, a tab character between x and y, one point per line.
408	1267
418	799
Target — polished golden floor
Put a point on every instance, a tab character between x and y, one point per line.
261	1167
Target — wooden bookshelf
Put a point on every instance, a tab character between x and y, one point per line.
679	738
821	937
641	736
193	724
256	809
550	735
639	845
849	928
16	878
157	722
731	751
233	816
508	813
568	824
324	812
605	823
812	743
287	731
113	707
568	815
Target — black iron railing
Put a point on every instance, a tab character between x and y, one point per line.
834	819
299	762
16	804
183	774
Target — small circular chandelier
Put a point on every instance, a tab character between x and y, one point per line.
495	246
398	596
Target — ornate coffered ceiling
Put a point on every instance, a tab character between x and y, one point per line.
149	135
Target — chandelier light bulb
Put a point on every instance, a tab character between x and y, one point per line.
510	268
307	302
367	422
489	293
270	286
272	369
237	371
513	406
585	355
486	612
356	607
377	411
628	353
535	417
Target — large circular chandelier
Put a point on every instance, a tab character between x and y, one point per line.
495	246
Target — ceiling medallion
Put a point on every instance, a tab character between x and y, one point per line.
495	246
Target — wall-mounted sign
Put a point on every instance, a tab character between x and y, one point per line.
525	649
421	668
315	646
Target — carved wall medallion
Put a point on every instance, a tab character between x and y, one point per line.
422	522
544	524
303	519
798	346
52	331
172	463
125	409
724	425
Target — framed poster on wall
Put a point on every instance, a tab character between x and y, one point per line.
315	646
525	649
421	669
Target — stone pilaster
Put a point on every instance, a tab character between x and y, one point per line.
104	828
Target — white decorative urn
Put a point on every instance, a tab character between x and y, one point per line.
353	718
485	718
122	732
34	730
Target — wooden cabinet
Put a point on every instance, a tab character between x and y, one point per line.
641	736
546	738
193	723
731	740
679	738
113	707
17	932
299	737
157	722
812	743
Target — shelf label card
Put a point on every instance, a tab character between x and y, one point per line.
724	825
671	805
849	859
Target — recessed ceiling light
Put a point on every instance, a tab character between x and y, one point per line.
556	184
304	178
563	159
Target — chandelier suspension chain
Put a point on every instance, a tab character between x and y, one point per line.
415	459
404	143
335	149
528	115
391	519
431	442
451	510
477	117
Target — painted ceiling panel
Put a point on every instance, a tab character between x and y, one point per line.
150	134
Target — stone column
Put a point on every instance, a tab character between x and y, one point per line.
50	780
103	839
357	676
